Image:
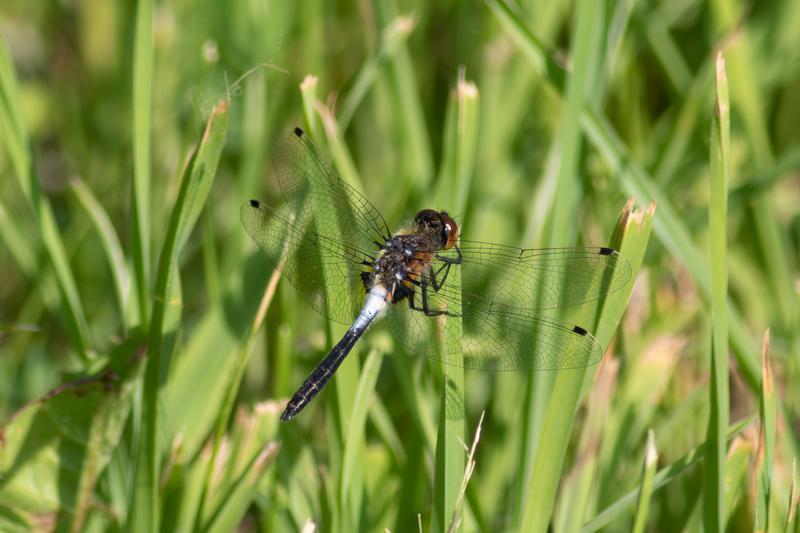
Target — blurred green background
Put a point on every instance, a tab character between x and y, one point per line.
531	122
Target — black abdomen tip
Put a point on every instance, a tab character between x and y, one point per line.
606	251
580	331
298	132
255	203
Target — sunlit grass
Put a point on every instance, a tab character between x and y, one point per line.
128	141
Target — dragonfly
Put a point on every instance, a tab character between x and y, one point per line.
338	252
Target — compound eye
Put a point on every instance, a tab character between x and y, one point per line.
450	230
426	215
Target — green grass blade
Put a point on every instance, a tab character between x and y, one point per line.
449	469
339	152
353	453
618	24
454	183
143	58
196	182
239	495
631	238
689	113
308	91
668	53
20	249
211	267
182	491
18	144
646	484
540	58
665	476
416	400
747	96
16	244
575	494
208	358
282	382
714	478
764	180
793	509
558	229
461	136
649	372
384	426
255	132
392	37
579	85
739	457
766	440
114	255
539	492
670	229
232	389
407	104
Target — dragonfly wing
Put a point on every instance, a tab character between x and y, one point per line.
536	279
305	257
502	291
314	190
495	339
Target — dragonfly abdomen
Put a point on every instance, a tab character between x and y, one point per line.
377	299
376	303
321	375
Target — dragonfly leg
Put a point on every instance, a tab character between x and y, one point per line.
425	306
438	284
451	260
448	262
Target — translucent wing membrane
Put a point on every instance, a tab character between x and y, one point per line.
494	338
500	276
304	256
314	190
502	289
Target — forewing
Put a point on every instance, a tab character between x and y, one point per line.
305	258
314	190
495	339
499	276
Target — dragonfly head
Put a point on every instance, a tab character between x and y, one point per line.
439	225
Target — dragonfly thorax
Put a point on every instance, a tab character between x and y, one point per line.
401	263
